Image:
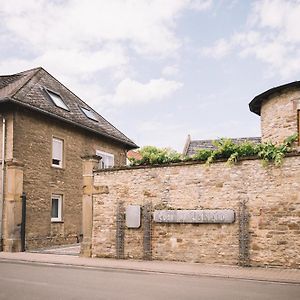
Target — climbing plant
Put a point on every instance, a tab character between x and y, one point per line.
152	156
224	149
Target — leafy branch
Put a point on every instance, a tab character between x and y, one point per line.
224	149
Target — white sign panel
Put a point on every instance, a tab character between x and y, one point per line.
133	216
205	216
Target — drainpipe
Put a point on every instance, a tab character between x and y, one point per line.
2	181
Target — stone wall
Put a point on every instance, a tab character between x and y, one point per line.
32	144
271	197
279	116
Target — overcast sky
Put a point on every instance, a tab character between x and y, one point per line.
159	69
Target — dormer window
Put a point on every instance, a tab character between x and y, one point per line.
57	99
90	114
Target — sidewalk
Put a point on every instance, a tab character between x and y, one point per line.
179	268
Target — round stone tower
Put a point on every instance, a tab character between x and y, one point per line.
279	109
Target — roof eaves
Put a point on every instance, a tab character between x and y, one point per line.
18	102
256	102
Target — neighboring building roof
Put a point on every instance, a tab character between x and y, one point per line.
191	146
134	154
255	104
29	89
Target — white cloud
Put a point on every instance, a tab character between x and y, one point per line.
170	70
220	49
273	37
75	41
162	134
133	92
146	25
270	13
71	38
201	4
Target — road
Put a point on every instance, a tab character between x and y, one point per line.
34	281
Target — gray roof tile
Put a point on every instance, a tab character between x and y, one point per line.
208	144
28	88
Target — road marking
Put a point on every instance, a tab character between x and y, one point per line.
24	281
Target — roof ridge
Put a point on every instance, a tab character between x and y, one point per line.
24	88
29	70
30	76
232	138
85	103
21	73
66	88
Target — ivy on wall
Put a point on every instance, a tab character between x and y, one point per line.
225	149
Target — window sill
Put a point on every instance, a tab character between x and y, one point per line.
57	167
59	222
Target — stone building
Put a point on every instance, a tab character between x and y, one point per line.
180	211
46	130
278	109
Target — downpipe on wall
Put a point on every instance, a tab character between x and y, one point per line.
2	181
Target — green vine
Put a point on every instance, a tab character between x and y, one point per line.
224	149
155	156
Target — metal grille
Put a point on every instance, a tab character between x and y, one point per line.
244	235
120	233
147	234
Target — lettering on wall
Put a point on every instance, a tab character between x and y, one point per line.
205	216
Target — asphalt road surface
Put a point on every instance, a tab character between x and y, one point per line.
42	282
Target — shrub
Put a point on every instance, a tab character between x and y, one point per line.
225	149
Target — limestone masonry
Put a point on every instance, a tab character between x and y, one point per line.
264	226
279	116
271	196
49	174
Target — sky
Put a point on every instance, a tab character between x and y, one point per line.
159	70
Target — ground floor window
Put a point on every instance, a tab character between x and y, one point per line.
56	208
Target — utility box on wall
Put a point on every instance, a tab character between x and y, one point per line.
133	216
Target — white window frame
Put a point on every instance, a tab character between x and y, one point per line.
89	113
57	99
105	157
59	157
58	197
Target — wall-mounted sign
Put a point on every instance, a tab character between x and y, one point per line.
205	216
133	216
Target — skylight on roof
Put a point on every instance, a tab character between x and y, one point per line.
57	99
91	115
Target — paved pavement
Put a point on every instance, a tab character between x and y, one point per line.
60	250
167	267
28	281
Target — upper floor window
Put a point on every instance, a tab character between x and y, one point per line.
57	152
57	99
107	159
90	114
